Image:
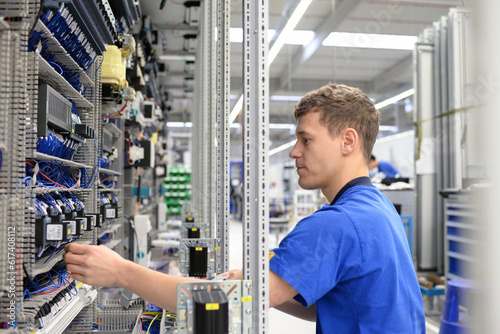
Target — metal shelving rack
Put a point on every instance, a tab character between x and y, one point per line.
444	141
21	72
14	119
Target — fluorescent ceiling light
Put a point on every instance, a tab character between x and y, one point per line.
236	110
372	41
300	37
282	147
179	124
272	126
278	44
183	57
292	22
391	128
396	98
285	98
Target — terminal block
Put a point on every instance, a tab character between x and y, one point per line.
214	307
200	257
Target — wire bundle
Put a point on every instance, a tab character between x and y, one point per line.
104	239
65	29
149	323
58	146
115	113
105	182
50	281
52	174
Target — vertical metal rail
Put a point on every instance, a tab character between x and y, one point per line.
195	135
204	44
89	156
223	128
212	116
20	210
255	158
426	189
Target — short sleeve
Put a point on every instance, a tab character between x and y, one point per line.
320	251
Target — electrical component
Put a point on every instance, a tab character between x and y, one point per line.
194	230
192	16
84	131
148	111
40	230
193	233
198	261
58	231
142	226
98	27
107	141
77	226
113	68
95	219
211	312
204	307
190	43
49	309
200	257
53	110
148	159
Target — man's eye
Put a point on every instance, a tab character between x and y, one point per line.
306	140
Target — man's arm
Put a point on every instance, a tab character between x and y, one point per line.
281	296
100	266
298	310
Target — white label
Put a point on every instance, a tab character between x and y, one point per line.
54	232
110	213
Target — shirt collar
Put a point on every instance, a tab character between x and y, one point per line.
360	181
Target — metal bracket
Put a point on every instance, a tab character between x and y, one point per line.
238	295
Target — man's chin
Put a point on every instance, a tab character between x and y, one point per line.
306	186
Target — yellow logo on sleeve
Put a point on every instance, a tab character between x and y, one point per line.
271	255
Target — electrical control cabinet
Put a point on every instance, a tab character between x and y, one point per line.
84	152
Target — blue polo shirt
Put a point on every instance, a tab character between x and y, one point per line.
352	259
388	169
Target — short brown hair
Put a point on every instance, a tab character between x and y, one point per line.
342	107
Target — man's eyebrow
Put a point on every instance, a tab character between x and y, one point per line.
302	132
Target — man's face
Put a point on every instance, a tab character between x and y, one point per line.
316	153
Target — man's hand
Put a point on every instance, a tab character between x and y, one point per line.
233	275
94	265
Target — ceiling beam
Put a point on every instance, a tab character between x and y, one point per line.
300	86
321	32
382	82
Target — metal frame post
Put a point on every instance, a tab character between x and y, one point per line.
255	158
223	128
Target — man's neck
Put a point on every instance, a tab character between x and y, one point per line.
342	180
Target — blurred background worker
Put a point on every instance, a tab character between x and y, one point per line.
384	167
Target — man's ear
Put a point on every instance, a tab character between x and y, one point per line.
350	141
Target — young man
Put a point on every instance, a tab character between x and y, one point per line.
347	266
351	258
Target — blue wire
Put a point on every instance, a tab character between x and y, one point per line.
60	69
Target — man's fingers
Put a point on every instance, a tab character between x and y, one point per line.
71	258
74	269
76	248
